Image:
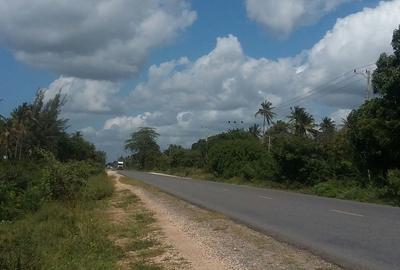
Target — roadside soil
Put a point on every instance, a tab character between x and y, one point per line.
204	240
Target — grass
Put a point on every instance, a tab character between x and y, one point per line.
62	235
82	234
140	246
143	234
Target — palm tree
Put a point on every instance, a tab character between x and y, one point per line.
302	122
327	126
255	131
266	112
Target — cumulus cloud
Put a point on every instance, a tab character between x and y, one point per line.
86	96
281	17
225	79
93	39
187	99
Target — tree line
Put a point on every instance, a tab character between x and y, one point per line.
360	160
39	160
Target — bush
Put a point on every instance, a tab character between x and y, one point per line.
59	236
393	186
347	190
301	160
98	187
25	185
20	189
243	158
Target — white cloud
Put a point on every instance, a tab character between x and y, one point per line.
187	99
339	115
129	123
95	39
281	17
87	96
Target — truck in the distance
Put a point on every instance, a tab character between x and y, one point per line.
120	165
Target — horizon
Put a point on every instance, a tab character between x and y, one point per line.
187	68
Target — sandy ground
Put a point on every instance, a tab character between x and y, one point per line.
209	241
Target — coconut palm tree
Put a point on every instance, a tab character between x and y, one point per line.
327	126
266	112
302	122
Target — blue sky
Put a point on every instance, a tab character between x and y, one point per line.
261	54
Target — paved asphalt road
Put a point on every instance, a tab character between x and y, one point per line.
354	235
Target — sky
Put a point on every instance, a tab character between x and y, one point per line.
188	67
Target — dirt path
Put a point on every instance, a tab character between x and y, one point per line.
192	252
210	241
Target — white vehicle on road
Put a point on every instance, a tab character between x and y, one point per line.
120	165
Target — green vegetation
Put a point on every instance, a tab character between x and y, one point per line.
48	194
40	162
360	160
62	234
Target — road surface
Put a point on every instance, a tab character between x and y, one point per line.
352	234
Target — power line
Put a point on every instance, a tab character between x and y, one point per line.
323	88
315	94
334	80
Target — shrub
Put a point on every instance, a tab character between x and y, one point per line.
98	187
393	186
20	189
348	190
25	185
301	160
243	158
58	236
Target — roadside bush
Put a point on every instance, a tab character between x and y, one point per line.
61	235
25	185
20	189
393	186
347	190
243	158
64	180
301	160
98	187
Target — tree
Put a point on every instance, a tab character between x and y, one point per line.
386	77
144	147
21	119
255	131
302	122
375	126
35	125
266	112
301	160
327	126
279	128
327	129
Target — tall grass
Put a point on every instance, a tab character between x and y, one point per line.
62	234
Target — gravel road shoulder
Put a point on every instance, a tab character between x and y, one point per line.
208	240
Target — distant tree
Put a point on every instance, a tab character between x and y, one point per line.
266	112
302	122
279	128
327	129
144	147
255	130
327	126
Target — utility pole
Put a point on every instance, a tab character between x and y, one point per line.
368	75
269	143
